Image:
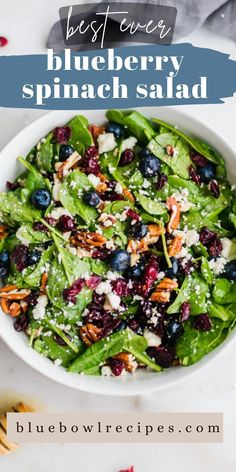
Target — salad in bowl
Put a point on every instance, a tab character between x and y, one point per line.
118	246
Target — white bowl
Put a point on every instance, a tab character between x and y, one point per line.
143	381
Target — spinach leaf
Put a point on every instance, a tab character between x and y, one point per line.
96	354
115	115
45	154
195	344
224	313
194	290
198	145
80	133
206	271
151	206
56	351
139	126
14	211
98	267
224	292
72	265
71	193
137	346
180	162
32	277
27	233
34	180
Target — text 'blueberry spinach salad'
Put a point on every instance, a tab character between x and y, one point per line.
118	247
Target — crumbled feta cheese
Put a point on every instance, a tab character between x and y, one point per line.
183	253
161	275
128	143
227	244
217	265
114	300
110	244
152	339
21	237
40	308
56	191
56	213
182	198
112	275
106	371
103	287
58	362
94	180
118	188
146	183
191	237
106	142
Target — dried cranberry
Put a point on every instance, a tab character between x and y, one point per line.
198	159
3	41
12	186
21	323
91	151
112	196
62	135
59	340
133	215
38	226
206	236
100	254
185	311
194	176
19	256
161	181
98	299
202	322
116	366
150	274
216	248
69	294
126	157
163	356
51	221
110	327
32	298
120	287
215	188
93	281
133	325
66	223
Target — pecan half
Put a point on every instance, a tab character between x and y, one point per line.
175	246
135	247
128	360
4	306
174	207
87	240
96	131
44	280
63	167
163	290
89	333
15	294
155	230
8	288
128	195
15	309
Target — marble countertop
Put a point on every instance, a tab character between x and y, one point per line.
213	389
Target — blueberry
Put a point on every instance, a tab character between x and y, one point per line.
92	199
174	270
65	151
138	230
41	198
115	128
33	257
144	152
4	257
173	331
206	173
3	270
230	270
135	271
149	166
119	260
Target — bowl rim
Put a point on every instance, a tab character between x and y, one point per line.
112	386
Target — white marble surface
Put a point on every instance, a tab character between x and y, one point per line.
26	25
